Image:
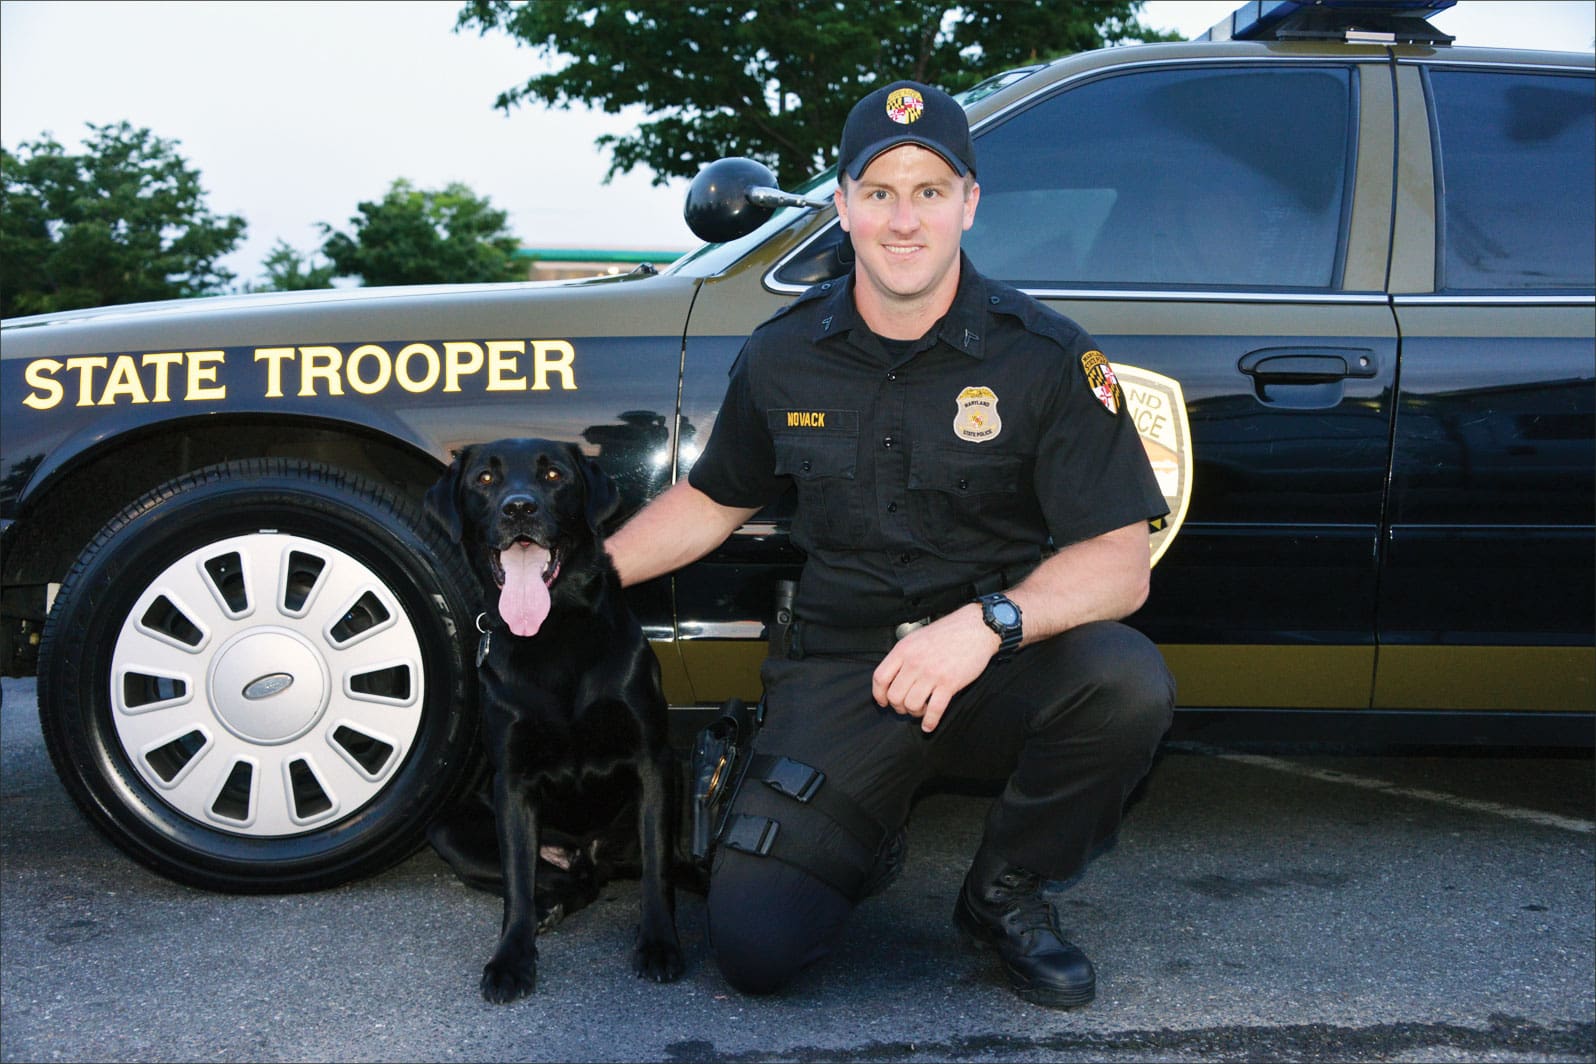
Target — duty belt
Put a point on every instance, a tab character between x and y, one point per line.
805	638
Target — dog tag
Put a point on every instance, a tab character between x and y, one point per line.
482	648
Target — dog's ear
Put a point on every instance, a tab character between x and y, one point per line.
602	497
443	498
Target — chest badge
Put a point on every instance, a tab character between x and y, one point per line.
977	420
1100	377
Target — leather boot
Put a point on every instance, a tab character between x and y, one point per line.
1001	907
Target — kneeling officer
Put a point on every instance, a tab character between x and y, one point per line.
973	501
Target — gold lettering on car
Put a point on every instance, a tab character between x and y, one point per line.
130	379
380	373
553	356
309	371
503	364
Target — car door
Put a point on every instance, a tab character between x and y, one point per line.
1225	223
1487	597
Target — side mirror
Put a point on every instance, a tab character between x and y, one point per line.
732	197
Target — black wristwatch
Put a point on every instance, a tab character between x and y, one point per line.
1003	617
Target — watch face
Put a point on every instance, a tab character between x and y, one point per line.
1005	614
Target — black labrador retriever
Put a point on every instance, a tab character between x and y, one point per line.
574	720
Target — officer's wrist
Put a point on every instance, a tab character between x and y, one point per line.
989	640
1003	617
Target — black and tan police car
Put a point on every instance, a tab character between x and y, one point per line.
1344	270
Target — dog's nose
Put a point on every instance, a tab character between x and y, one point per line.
518	506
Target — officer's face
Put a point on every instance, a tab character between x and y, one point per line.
905	215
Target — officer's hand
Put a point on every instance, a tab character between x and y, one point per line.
922	673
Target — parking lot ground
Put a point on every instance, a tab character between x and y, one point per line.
1259	905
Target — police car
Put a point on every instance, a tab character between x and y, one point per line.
1344	270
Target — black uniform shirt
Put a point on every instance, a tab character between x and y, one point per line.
919	473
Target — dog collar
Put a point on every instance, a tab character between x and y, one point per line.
487	638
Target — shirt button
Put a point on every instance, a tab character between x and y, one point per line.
905	558
964	485
892	376
888	442
892	507
805	466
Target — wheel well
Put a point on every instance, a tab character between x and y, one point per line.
54	526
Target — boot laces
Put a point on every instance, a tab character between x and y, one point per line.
1019	893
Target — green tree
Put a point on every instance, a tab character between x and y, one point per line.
290	270
773	79
416	236
123	222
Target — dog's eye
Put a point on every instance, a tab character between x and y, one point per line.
551	474
485	477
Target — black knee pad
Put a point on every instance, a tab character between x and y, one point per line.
785	811
769	920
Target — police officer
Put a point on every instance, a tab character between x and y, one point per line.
973	501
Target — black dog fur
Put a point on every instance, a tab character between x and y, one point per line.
574	719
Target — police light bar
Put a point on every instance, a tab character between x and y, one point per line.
1368	21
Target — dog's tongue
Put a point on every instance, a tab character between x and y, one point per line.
524	602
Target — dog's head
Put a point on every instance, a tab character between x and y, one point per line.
523	510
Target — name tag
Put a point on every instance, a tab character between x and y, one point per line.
830	421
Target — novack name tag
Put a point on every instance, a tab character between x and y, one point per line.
785	419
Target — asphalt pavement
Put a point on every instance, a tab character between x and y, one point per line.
1259	905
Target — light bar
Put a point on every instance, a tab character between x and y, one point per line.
1396	22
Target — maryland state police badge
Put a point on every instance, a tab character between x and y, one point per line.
977	420
1104	385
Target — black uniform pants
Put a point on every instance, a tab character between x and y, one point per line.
1071	724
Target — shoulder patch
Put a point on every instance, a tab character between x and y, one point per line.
1100	378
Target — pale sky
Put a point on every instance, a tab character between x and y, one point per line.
293	112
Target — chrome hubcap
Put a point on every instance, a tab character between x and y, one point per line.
267	685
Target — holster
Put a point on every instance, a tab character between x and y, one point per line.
722	751
721	754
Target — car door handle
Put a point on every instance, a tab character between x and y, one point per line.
1295	365
1305	378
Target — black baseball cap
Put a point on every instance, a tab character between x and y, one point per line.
907	112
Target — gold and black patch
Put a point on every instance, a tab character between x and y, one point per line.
783	419
1100	378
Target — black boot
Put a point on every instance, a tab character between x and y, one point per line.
1002	907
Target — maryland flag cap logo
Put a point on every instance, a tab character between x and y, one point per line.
904	106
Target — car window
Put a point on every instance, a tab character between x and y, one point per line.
1231	176
1517	169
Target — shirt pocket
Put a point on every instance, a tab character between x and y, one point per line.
961	501
825	471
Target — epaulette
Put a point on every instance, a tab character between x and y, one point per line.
1036	316
808	295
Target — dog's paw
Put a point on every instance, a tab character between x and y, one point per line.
549	916
505	980
659	960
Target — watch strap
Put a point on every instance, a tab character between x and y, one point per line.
1009	635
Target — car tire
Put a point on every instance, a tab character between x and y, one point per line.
252	679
